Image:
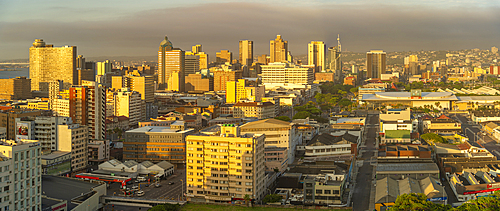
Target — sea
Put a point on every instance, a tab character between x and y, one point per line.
17	73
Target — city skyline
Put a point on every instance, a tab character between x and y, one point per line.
131	30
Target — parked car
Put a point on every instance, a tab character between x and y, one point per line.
135	187
157	185
171	183
140	193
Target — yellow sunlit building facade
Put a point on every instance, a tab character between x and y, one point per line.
226	166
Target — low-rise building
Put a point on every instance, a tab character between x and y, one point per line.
57	163
485	116
261	110
276	158
98	150
388	189
324	189
469	185
329	145
155	143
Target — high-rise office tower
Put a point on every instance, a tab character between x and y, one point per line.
54	88
203	60
375	63
15	88
246	52
104	67
48	63
170	67
223	56
411	63
192	64
278	50
316	55
196	49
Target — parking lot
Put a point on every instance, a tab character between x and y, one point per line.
170	188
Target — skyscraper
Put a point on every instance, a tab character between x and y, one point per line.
375	63
246	52
191	64
170	67
334	60
278	50
196	49
48	63
316	55
103	67
411	63
223	56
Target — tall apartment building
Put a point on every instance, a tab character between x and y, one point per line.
196	49
196	82
278	134
104	67
280	73
226	166
129	103
237	91
191	64
74	138
15	88
20	170
375	63
222	76
278	50
316	55
246	52
156	143
8	119
223	56
170	67
45	129
54	88
86	105
48	63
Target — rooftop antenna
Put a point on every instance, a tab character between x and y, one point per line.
338	43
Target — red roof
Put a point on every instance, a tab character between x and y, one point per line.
5	108
463	146
443	117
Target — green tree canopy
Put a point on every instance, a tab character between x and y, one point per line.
432	137
416	201
283	118
166	207
272	198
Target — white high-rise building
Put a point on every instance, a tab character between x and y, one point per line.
21	174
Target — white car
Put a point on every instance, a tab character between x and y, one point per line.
135	187
140	193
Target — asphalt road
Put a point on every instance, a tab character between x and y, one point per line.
362	189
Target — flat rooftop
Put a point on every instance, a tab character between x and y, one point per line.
46	203
55	154
65	188
392	168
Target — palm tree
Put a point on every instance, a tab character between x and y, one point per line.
247	199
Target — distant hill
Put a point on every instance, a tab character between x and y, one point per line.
15	61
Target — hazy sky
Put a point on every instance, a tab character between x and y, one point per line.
135	28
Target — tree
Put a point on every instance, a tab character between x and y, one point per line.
247	199
166	207
272	198
416	201
354	90
488	203
432	137
301	115
283	118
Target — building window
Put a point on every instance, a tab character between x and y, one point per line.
319	191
